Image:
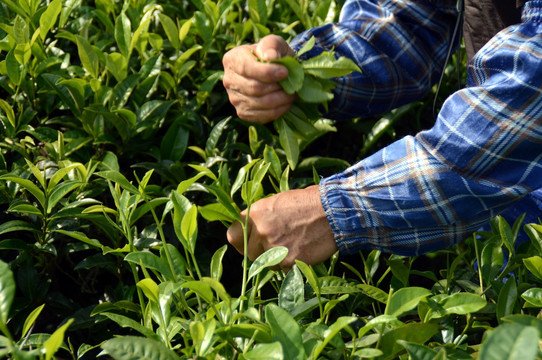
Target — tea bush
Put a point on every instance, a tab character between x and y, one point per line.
121	161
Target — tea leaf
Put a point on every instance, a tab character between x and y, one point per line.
218	288
185	28
292	291
31	319
405	299
216	263
88	56
151	261
137	348
189	228
49	16
178	261
214	136
175	142
285	330
258	11
414	332
215	212
13	69
8	110
241	177
271	351
417	351
460	304
150	289
52	344
294	82
171	30
288	142
27	185
306	47
17	225
331	332
511	341
117	178
374	292
313	91
202	289
507	235
7	291
226	201
534	265
202	334
507	298
311	276
126	322
533	297
491	261
326	66
60	191
269	258
527	320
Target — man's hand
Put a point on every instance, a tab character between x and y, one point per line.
294	219
253	87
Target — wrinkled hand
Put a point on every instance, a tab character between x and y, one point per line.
252	86
295	219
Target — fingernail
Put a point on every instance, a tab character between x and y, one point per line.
271	54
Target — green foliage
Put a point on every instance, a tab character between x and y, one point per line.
120	159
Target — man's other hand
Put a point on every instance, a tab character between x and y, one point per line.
253	86
294	219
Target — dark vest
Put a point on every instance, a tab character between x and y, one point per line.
484	18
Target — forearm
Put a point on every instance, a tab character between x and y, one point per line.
484	153
399	46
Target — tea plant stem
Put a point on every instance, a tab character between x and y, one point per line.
479	265
139	291
245	260
195	265
5	331
162	236
163	326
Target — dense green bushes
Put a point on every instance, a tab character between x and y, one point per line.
120	157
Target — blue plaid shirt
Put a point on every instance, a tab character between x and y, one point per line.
484	153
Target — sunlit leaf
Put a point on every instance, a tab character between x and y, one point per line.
216	263
511	341
171	30
288	142
267	259
405	299
151	261
54	342
137	348
49	17
88	56
285	329
7	291
150	289
271	351
292	291
294	81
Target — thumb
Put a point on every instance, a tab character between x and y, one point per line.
272	47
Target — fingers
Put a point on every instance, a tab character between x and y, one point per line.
243	62
253	86
235	236
272	47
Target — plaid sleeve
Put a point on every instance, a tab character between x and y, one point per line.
400	47
484	154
